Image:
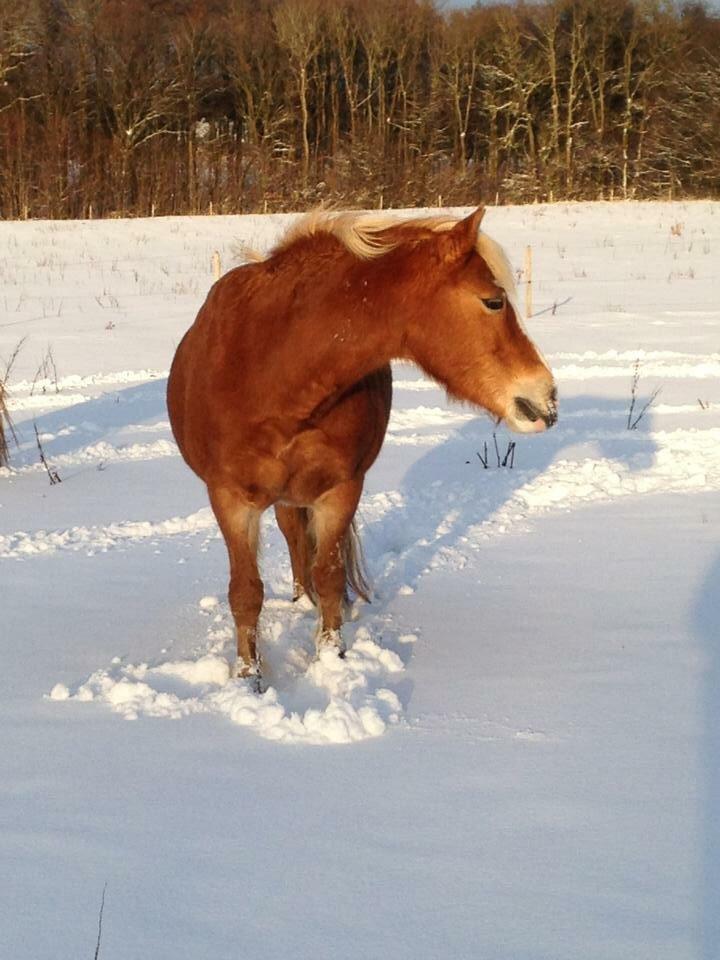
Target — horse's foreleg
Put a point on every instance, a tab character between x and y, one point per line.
293	522
331	518
240	525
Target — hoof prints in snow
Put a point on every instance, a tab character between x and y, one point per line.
681	460
333	701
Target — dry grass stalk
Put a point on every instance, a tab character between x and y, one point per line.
6	426
633	421
53	475
4	418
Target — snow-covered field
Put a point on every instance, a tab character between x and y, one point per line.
519	758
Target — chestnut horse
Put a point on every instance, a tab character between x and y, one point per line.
280	392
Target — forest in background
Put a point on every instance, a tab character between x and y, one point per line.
154	107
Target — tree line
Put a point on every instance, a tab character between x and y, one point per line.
140	107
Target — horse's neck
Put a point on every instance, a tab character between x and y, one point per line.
336	351
335	355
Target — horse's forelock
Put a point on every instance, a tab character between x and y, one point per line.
498	264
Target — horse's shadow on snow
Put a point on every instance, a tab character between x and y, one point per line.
448	494
69	429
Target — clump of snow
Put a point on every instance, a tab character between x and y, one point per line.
353	701
208	669
24	543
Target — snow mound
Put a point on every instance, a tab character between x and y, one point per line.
105	537
351	704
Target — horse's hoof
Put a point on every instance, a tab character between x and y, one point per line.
330	640
258	684
251	673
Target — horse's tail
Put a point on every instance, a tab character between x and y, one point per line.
351	555
356	574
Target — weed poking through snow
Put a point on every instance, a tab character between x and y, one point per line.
52	474
4	418
6	426
100	923
46	374
506	460
632	421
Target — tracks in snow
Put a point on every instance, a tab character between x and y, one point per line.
670	461
100	538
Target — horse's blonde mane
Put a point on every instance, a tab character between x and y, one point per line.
362	235
358	232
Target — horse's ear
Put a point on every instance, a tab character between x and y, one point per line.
462	239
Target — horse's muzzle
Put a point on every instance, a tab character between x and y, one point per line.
533	411
528	410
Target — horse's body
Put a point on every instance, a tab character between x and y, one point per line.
280	392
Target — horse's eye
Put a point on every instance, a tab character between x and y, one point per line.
494	303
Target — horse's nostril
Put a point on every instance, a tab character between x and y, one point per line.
527	409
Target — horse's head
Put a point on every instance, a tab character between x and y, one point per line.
466	332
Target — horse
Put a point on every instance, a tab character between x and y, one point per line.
279	394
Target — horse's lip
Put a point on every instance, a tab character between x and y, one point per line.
522	425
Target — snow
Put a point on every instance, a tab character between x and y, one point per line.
356	707
518	756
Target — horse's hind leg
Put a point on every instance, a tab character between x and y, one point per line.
240	524
293	522
332	515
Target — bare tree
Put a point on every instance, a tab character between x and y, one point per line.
178	106
298	25
20	39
